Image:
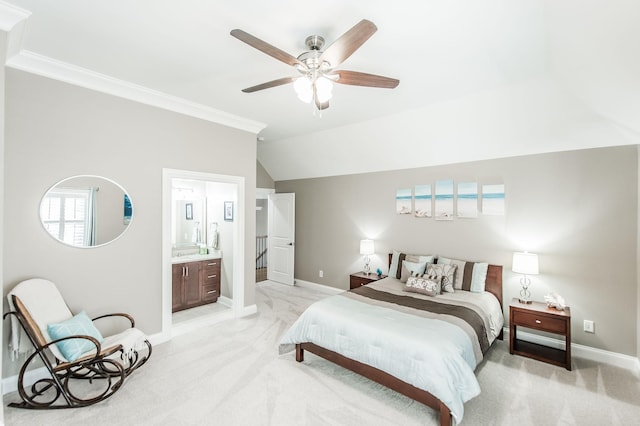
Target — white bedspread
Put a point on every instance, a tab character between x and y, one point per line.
428	353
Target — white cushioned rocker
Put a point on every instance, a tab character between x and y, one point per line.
84	368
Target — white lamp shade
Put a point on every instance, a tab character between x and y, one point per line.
525	263
366	247
303	88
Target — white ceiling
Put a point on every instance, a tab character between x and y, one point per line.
514	77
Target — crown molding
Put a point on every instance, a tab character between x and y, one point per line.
11	15
51	68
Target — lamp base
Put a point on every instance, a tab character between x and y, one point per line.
525	301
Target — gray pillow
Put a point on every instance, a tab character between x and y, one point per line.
423	286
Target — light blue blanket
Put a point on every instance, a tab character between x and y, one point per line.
428	353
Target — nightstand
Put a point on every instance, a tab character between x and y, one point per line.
537	316
360	278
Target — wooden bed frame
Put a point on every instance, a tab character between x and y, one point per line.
493	285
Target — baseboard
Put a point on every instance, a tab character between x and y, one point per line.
581	351
248	310
318	287
10	384
225	301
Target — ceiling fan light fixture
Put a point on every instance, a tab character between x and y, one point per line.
303	89
324	89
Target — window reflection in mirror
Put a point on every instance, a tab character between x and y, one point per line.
189	214
86	211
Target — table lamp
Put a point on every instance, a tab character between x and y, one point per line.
366	249
526	264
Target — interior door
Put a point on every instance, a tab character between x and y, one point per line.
281	245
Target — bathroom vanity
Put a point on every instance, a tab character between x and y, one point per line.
196	280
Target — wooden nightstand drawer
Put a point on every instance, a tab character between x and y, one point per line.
360	278
540	322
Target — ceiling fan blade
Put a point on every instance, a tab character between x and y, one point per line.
348	43
265	47
269	84
356	78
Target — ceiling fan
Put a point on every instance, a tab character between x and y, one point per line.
317	68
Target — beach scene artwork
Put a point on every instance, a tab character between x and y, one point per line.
468	199
422	201
403	201
444	200
493	199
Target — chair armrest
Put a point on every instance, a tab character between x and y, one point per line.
118	314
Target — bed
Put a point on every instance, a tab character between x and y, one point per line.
421	346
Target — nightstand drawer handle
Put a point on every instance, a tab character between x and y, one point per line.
538	322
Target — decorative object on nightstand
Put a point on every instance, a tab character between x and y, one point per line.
538	316
378	272
360	278
366	249
526	264
556	301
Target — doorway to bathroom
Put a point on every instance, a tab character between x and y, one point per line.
203	224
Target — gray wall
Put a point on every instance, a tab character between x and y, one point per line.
577	210
263	179
55	130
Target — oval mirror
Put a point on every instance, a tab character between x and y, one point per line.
86	211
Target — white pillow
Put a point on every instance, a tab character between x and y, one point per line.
479	277
411	269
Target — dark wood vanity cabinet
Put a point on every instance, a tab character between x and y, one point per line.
211	280
195	283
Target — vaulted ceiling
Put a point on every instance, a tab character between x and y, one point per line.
478	79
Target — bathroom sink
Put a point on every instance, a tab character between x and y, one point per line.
217	254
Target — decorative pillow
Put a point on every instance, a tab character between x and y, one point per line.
80	324
445	272
411	269
466	271
479	277
395	269
423	286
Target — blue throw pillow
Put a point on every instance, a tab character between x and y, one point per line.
80	324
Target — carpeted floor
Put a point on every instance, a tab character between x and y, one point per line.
231	374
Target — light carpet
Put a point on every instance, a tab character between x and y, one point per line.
231	374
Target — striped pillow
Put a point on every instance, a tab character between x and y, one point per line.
395	269
469	276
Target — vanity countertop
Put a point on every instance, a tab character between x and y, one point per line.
217	254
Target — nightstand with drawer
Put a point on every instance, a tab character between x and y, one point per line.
537	316
360	278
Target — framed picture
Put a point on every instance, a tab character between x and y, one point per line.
188	211
228	211
444	199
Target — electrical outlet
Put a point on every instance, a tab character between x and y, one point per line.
589	326
321	273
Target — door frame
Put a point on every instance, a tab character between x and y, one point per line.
237	303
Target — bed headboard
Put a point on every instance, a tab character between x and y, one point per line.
493	284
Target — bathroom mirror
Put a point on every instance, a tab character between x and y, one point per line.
86	211
189	223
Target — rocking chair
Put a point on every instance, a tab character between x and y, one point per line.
71	349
